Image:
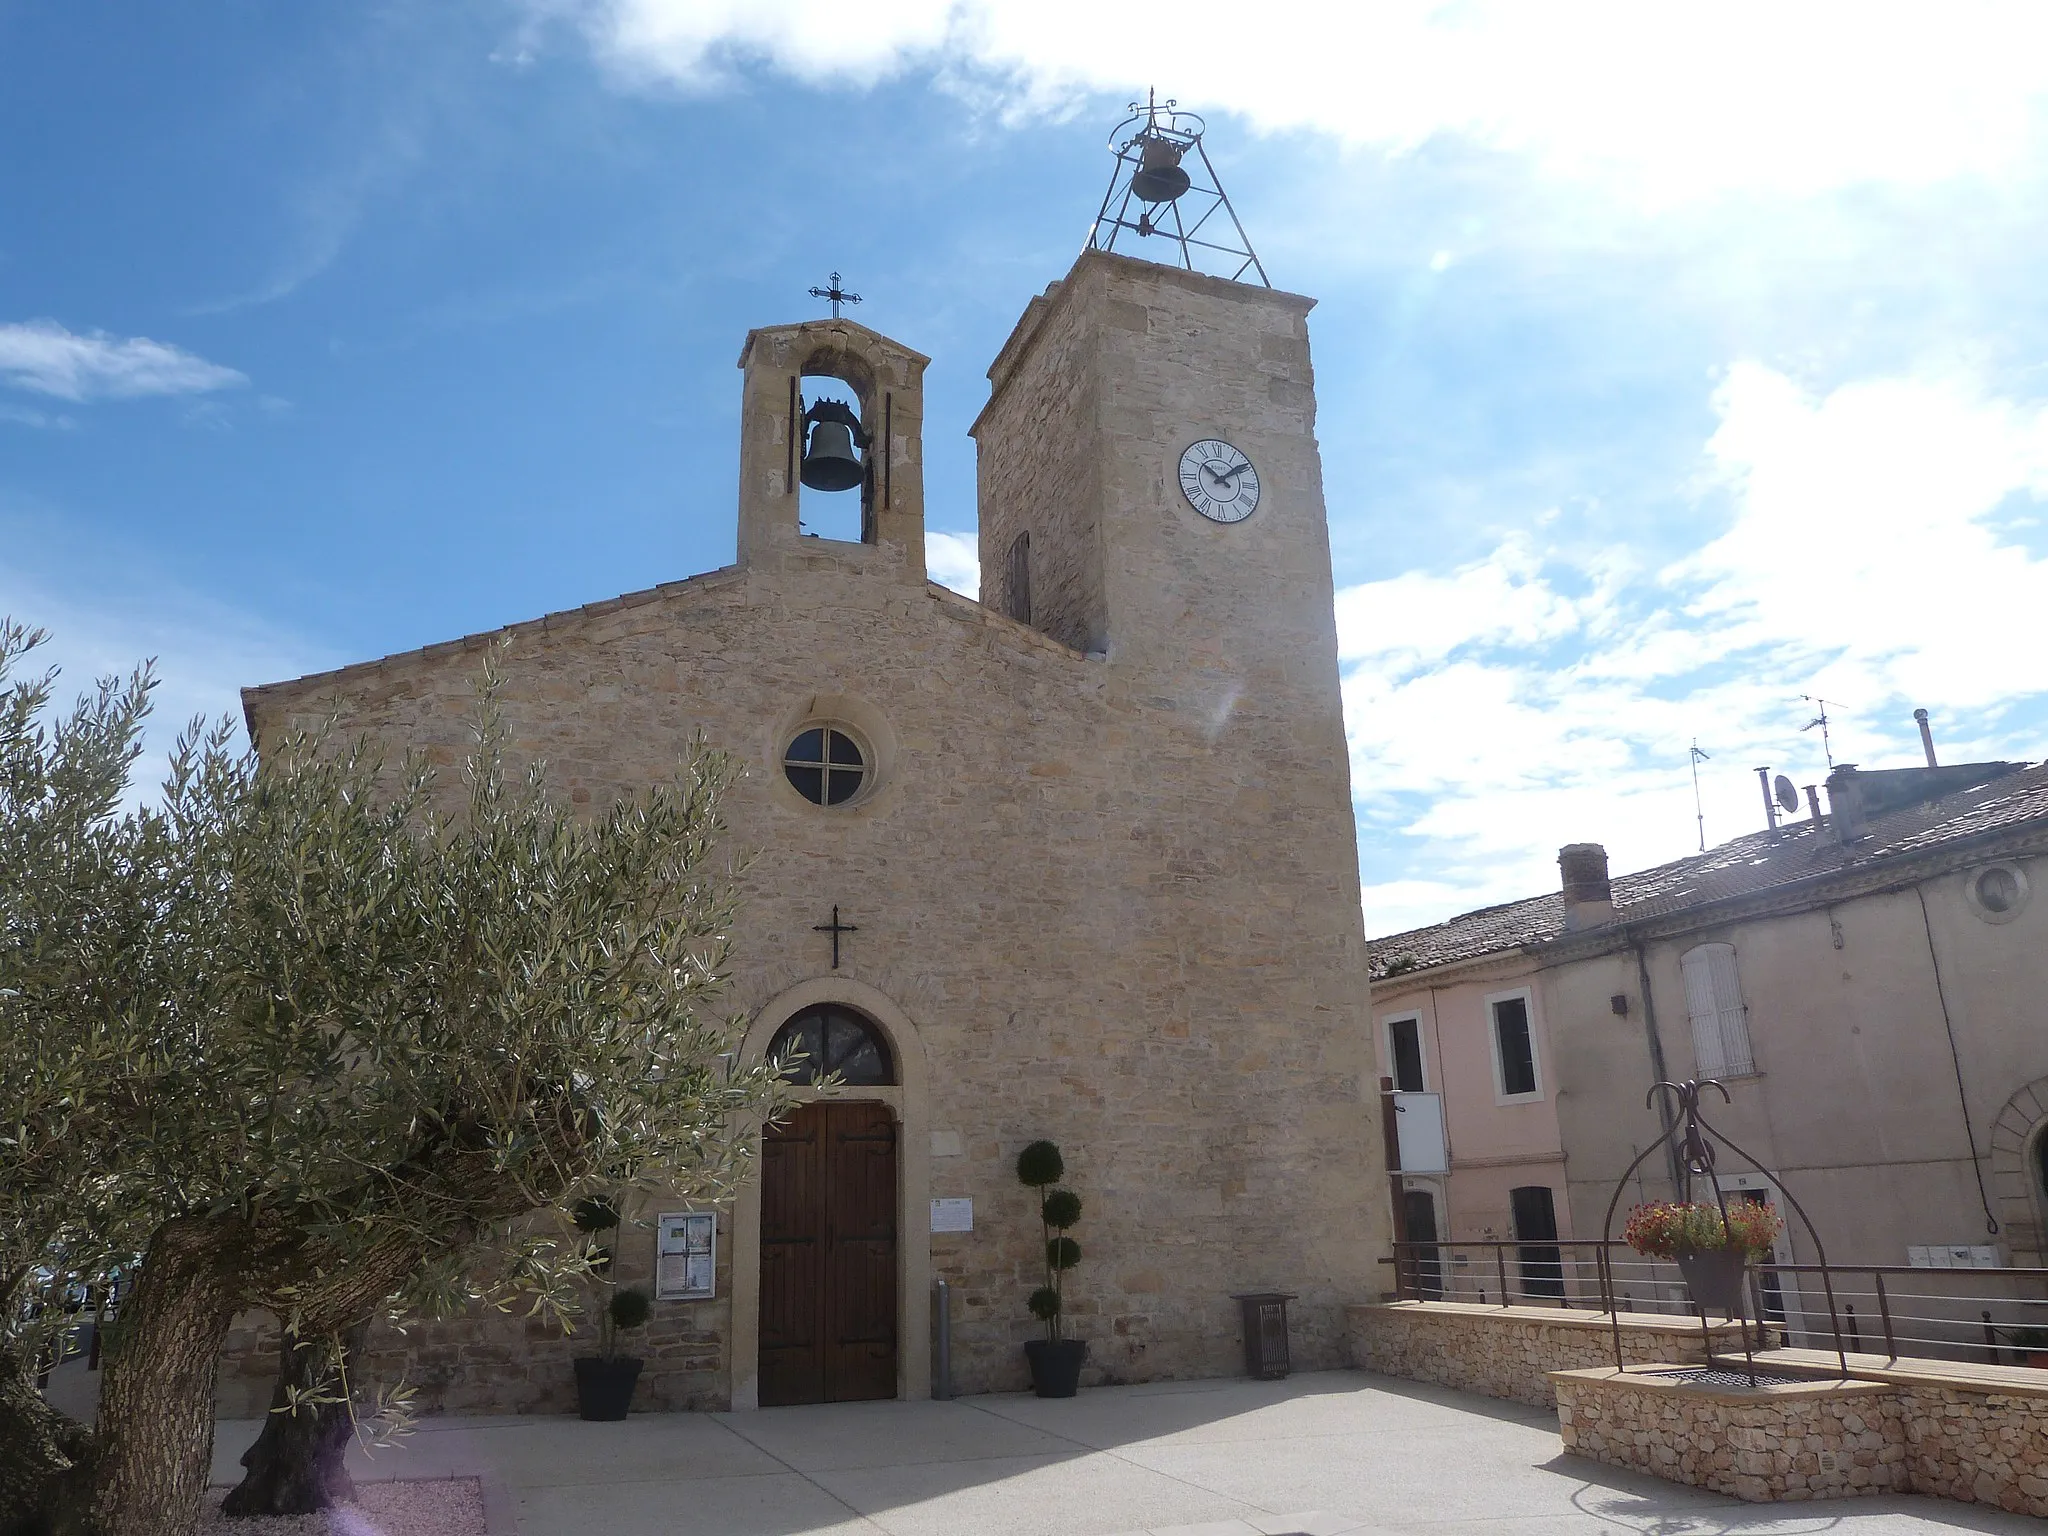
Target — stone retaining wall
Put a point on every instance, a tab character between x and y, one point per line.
1974	1433
1910	1432
1816	1440
1510	1351
1979	1447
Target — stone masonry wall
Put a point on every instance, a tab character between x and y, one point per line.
1509	1352
1979	1447
1028	485
1828	1440
489	1362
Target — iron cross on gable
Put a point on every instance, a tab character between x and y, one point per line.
836	295
835	928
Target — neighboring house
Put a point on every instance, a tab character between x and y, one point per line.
1870	985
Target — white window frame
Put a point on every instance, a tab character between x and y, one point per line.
1724	1064
1387	1023
1500	1092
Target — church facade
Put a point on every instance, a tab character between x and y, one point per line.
1075	862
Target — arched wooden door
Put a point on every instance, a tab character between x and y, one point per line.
828	1255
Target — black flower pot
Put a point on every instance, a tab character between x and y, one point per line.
604	1388
1714	1277
1055	1365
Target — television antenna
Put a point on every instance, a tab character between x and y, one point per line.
1827	747
1698	811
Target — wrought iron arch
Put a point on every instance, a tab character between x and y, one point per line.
1695	1141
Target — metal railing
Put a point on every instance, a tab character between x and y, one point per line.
1895	1310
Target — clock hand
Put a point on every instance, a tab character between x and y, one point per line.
1232	474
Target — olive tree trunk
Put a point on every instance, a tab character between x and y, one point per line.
38	1447
153	1447
298	1464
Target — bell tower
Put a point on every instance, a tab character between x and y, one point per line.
793	448
1149	473
1150	481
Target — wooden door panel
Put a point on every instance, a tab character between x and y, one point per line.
792	1259
828	1256
860	1254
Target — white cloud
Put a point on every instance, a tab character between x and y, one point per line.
43	356
1493	719
954	560
1679	100
22	416
1864	539
1423	618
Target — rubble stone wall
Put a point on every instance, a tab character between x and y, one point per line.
1913	1432
1824	1440
1510	1351
1978	1447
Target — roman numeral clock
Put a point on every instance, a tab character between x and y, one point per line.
1219	481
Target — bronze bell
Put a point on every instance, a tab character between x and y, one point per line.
830	462
1159	178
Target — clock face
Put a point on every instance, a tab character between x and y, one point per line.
1219	482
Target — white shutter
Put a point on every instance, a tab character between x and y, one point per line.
1713	998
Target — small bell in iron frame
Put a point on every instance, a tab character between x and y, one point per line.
1159	178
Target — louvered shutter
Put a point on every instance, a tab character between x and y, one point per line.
1713	998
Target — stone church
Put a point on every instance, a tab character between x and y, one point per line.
1076	862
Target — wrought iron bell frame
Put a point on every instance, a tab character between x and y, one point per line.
1160	132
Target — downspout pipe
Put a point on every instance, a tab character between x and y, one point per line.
1658	1074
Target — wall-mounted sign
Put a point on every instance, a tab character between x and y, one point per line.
952	1215
686	1256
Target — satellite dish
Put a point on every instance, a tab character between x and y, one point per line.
1788	797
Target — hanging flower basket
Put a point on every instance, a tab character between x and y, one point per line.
1711	1253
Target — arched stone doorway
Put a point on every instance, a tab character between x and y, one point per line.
882	1113
2019	1172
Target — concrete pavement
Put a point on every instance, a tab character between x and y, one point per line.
1321	1454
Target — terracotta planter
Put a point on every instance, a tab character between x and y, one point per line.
1714	1277
1055	1365
604	1388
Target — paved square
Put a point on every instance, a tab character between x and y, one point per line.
1319	1454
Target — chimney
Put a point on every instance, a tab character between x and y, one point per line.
1813	802
1845	804
1763	779
1926	737
1588	895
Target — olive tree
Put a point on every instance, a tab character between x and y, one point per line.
369	1030
73	888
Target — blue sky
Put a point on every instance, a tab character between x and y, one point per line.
1673	362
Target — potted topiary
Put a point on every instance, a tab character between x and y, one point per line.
1711	1252
605	1381
1055	1359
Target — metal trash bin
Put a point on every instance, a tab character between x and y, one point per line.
1265	1333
